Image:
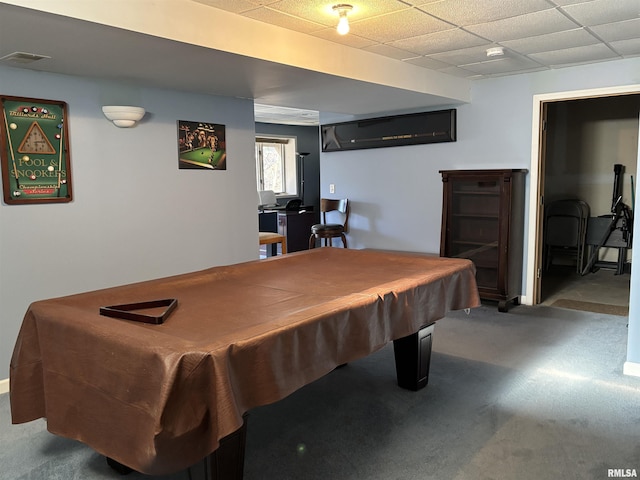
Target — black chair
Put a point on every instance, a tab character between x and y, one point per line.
566	231
328	231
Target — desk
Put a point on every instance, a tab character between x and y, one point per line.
158	398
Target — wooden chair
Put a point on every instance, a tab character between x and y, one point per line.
269	238
328	231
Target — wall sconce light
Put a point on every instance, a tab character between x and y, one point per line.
123	116
343	23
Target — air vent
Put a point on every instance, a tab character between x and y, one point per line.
22	58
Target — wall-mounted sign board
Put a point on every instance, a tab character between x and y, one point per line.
34	151
393	131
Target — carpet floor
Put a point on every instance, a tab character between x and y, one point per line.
533	394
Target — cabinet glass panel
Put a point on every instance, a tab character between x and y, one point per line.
478	230
476	204
486	277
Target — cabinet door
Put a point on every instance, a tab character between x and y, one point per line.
474	225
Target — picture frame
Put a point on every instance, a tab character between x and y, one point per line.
201	146
34	151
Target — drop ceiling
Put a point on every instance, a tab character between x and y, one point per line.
445	39
452	36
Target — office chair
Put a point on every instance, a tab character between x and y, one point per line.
328	231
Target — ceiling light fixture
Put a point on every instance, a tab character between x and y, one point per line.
343	23
495	52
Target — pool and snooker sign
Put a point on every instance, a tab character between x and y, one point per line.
201	146
36	166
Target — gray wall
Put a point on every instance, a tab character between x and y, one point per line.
134	215
134	211
396	193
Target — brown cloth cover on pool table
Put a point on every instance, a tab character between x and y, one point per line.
159	397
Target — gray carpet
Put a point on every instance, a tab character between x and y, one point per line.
536	393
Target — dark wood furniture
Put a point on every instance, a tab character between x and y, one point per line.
483	220
329	231
295	226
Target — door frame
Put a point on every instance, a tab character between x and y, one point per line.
533	279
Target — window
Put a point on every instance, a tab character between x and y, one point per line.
276	165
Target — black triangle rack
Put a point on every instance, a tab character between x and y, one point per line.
127	311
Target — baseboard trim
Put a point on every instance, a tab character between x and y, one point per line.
4	386
632	369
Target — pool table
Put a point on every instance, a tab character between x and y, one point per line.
160	397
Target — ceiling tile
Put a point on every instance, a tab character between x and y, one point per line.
628	48
321	10
265	14
571	56
598	12
611	32
463	56
561	3
427	62
464	12
284	115
389	51
235	6
529	25
410	22
552	41
453	39
503	66
436	33
460	72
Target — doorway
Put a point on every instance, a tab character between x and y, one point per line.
590	156
580	137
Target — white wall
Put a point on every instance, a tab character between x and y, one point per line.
134	215
396	193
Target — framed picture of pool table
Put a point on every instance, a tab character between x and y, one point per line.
201	146
34	141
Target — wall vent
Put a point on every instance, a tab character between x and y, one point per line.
22	58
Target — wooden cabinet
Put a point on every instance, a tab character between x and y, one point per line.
483	220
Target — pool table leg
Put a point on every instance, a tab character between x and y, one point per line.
226	463
413	356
